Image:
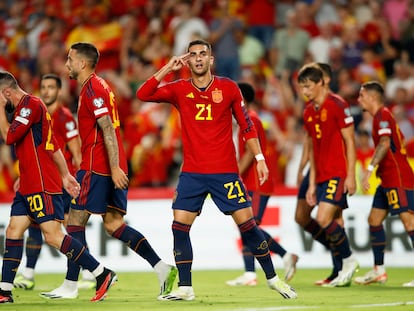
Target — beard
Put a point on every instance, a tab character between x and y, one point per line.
73	75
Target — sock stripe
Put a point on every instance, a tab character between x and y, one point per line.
15	243
71	228
139	243
248	225
117	233
181	227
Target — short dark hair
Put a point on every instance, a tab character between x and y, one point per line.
310	72
88	50
376	87
326	68
247	91
199	42
54	77
7	80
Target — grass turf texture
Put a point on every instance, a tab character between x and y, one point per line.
138	291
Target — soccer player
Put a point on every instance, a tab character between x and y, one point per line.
103	171
65	130
330	128
43	174
395	194
260	195
303	209
206	104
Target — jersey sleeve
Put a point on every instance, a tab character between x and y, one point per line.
151	91
247	128
99	103
70	127
345	118
26	114
384	124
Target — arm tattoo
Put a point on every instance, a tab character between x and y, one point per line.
111	144
381	150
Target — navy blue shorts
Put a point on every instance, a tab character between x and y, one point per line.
39	207
395	200
332	191
67	200
303	188
98	193
227	191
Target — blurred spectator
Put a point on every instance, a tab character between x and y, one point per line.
348	88
402	106
251	50
395	11
136	36
371	68
407	31
306	16
352	46
327	12
260	19
52	53
364	152
223	40
8	170
402	78
289	46
376	32
321	45
151	136
185	26
406	126
96	28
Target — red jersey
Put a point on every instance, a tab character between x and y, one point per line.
96	99
394	169
31	134
65	129
206	121
324	127
250	177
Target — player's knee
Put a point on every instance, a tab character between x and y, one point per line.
374	221
14	232
113	225
301	220
53	239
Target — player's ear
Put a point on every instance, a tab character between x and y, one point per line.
211	60
6	92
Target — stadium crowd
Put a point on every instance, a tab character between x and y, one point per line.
261	42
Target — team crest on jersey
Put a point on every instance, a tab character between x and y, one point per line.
324	115
70	125
25	112
98	102
217	96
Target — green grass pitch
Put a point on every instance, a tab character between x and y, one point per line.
138	291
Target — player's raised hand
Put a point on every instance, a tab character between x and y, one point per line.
177	62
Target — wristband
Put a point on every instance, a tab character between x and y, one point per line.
259	157
370	168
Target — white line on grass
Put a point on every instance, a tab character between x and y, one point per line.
389	304
376	305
